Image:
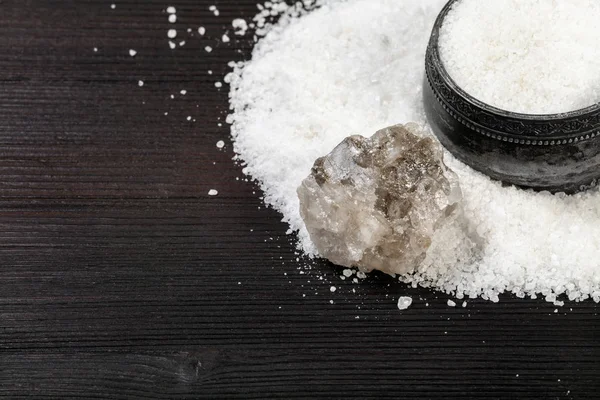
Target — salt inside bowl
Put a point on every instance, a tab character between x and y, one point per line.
512	89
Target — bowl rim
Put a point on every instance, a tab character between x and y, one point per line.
435	53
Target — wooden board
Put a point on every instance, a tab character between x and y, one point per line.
121	278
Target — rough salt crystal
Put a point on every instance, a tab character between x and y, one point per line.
213	192
132	52
172	33
172	18
377	203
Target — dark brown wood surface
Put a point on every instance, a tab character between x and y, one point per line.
121	278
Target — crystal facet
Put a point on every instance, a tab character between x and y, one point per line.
376	203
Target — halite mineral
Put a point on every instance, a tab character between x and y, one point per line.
376	203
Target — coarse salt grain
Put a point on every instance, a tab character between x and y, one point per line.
451	303
404	302
225	38
240	26
172	18
220	144
171	10
218	84
533	57
183	92
172	45
113	6
132	52
202	30
208	49
357	66
214	10
213	192
140	83
172	33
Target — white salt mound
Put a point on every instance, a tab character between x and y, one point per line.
533	57
357	66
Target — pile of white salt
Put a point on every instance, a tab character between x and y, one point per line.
356	66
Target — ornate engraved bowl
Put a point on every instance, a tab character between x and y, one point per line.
554	152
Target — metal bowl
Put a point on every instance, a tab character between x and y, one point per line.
554	152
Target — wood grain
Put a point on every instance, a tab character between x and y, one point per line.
121	278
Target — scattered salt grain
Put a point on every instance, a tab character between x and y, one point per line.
140	83
361	275
220	144
172	45
182	43
464	304
202	30
214	10
189	118
183	92
451	303
240	26
172	33
172	18
171	10
113	6
332	289
95	49
225	38
348	273
132	52
210	72
404	302
213	192
218	84
208	49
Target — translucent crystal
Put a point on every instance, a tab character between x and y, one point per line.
376	203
